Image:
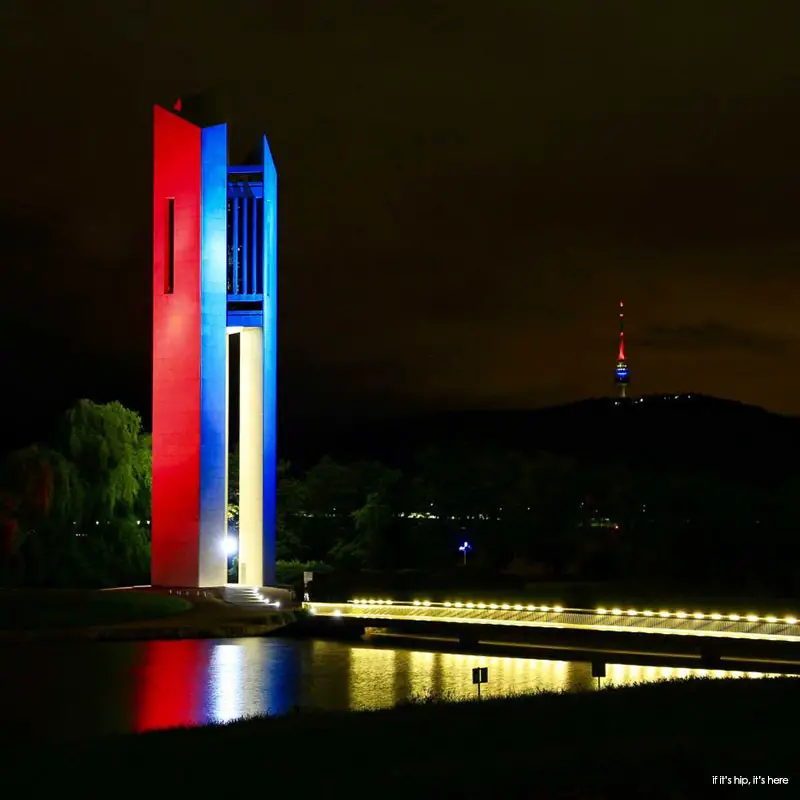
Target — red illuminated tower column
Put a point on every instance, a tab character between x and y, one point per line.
189	353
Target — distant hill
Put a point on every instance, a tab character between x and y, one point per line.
674	430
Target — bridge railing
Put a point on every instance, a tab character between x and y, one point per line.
746	626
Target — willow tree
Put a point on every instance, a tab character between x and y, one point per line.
112	456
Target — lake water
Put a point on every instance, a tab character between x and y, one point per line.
55	691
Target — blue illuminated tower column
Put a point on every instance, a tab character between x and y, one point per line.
270	327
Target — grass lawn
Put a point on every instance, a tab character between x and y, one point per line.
593	595
54	608
648	741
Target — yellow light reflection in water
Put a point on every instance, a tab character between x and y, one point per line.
372	677
380	677
627	674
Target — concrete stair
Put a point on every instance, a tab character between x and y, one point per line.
247	597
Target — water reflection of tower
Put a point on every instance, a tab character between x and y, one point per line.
621	377
170	684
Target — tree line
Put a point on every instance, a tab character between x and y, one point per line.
546	516
77	513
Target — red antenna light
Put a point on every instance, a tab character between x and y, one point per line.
177	106
621	356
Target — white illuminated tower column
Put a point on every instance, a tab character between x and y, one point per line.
251	456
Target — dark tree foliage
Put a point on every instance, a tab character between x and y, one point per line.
78	514
679	527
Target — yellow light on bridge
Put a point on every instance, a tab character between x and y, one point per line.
557	609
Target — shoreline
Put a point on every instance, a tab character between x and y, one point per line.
207	618
128	633
652	740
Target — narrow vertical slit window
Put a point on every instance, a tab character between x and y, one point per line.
169	271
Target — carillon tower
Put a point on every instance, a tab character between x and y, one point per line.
621	373
215	275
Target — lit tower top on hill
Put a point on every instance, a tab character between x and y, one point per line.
621	373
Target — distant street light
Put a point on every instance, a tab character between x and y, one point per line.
465	548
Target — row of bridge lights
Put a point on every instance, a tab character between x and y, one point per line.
493	606
615	612
504	607
618	612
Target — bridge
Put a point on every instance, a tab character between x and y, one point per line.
709	635
697	623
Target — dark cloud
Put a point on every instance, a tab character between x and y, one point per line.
713	336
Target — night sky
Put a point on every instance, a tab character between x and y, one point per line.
467	189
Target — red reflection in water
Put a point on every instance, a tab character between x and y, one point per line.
170	685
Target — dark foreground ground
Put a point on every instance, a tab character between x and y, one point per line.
649	741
